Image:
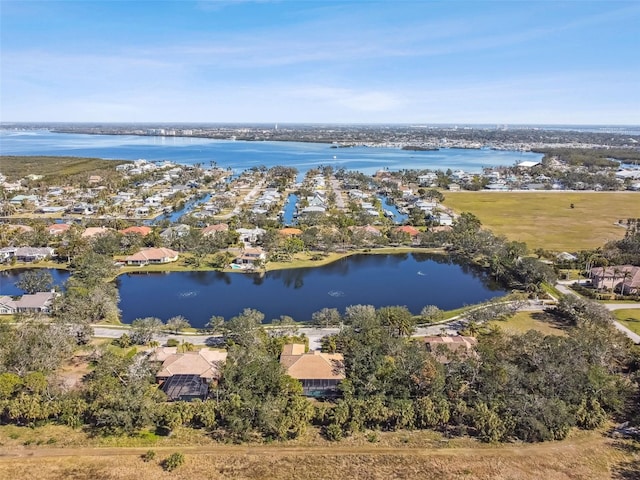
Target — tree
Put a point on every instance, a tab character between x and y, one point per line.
326	317
431	314
33	281
398	319
177	323
144	329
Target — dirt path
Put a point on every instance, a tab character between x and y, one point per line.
555	448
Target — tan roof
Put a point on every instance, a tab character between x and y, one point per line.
57	228
293	349
144	231
291	231
218	227
160	354
193	363
152	254
458	344
313	365
408	229
93	231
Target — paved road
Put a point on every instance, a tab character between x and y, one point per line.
335	184
635	338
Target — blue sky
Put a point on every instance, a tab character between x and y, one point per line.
506	62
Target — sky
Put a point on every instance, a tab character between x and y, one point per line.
298	61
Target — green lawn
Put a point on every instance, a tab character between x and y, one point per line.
630	318
522	322
546	219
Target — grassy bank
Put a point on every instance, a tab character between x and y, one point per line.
630	318
546	219
395	455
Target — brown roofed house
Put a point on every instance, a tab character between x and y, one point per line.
152	255
619	278
186	376
58	228
318	372
142	230
443	348
212	230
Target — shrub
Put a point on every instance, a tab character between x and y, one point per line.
149	456
173	461
172	342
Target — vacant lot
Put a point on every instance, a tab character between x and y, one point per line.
546	219
583	456
522	322
56	169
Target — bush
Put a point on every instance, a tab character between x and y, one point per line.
173	461
333	432
172	342
149	456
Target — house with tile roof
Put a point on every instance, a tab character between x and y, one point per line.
148	256
445	347
187	376
320	373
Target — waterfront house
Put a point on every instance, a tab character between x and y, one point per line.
40	302
618	278
249	256
7	305
148	256
33	254
320	373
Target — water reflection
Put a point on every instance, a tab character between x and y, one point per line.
414	280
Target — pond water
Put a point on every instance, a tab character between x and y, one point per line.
413	280
8	279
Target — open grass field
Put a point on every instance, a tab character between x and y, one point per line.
55	168
546	219
522	322
630	318
585	455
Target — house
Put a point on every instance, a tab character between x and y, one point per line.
444	347
619	278
409	230
7	253
33	254
142	231
249	256
250	235
290	232
212	230
444	219
174	232
320	373
58	228
92	232
187	376
40	302
7	305
148	256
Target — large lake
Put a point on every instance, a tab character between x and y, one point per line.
241	155
414	280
